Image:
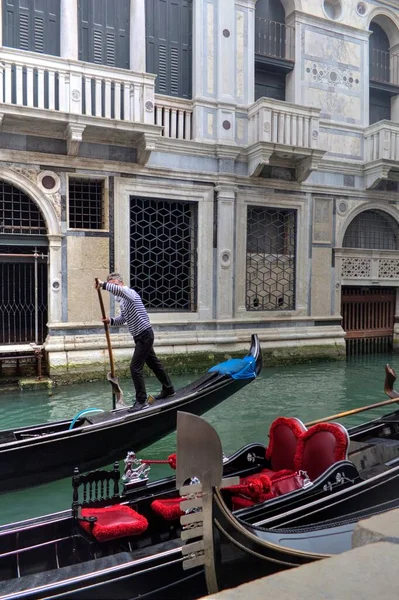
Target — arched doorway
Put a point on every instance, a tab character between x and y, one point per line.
23	268
368	311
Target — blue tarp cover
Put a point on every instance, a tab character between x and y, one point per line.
237	368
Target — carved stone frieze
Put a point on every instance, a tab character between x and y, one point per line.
318	72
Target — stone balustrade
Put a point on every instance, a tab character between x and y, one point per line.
35	81
283	123
175	116
367	266
382	141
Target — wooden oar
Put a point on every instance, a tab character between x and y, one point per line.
117	393
390	377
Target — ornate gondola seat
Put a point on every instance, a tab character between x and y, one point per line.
98	513
320	447
317	449
284	433
280	476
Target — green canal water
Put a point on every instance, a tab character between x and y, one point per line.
307	391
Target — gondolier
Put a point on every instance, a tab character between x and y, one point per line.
135	315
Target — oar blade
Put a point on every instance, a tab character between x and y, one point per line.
116	390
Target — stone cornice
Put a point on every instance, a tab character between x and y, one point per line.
328	25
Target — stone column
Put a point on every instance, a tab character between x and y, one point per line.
223	68
137	36
55	279
226	198
69	29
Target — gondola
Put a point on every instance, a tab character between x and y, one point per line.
303	525
53	557
34	455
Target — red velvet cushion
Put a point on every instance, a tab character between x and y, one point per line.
284	433
113	522
320	447
168	508
287	483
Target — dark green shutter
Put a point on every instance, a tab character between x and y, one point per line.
33	26
104	32
169	45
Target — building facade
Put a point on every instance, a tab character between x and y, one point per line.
236	160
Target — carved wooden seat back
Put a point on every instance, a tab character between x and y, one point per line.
98	488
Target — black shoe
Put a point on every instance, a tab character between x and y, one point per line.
165	394
139	406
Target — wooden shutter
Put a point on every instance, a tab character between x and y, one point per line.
33	26
104	32
169	45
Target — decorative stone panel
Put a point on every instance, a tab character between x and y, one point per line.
388	268
356	267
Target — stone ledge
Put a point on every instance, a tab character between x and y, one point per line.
364	573
381	528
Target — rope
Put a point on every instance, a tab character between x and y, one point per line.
171	460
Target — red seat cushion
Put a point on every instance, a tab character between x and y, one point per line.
168	508
320	447
113	522
283	438
287	482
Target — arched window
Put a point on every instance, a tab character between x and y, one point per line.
380	62
372	230
23	268
274	44
19	215
379	54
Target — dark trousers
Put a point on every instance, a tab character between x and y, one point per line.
144	354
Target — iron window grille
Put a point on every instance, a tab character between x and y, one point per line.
372	230
271	259
86	203
163	253
18	213
23	295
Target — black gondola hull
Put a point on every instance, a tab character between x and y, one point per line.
44	453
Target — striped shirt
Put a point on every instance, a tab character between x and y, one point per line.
132	309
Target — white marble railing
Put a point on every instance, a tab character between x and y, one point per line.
382	141
283	123
370	265
32	80
175	116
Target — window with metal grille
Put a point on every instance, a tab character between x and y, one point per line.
86	203
271	258
163	253
23	294
373	230
18	213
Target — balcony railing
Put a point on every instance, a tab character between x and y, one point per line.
369	265
382	141
384	67
275	40
175	116
283	123
36	81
